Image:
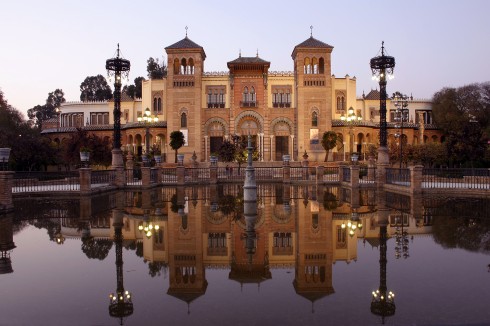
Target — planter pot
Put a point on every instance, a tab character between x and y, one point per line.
4	154
180	159
84	156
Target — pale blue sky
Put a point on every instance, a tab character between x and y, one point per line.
56	44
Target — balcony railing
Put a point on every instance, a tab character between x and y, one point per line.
249	104
281	105
216	105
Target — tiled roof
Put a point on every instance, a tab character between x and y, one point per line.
124	98
249	60
186	43
313	43
374	94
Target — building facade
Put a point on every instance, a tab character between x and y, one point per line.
286	113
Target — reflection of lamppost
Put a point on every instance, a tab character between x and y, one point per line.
401	237
381	66
120	303
118	68
147	119
383	301
350	118
353	224
147	225
401	103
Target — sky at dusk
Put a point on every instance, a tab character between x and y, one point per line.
56	44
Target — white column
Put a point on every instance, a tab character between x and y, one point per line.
206	148
292	148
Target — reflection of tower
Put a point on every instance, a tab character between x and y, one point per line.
248	266
120	304
383	301
6	243
314	252
187	279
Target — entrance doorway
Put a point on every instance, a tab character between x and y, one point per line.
282	144
215	144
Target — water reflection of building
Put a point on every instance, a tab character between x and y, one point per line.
314	252
187	279
204	227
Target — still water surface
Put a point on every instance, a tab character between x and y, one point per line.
301	268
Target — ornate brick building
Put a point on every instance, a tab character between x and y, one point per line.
285	112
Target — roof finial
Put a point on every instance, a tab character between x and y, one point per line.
117	50
311	32
186	31
257	52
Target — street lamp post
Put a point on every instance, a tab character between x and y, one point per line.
147	119
382	68
350	118
401	103
118	68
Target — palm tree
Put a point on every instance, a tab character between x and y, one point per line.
177	140
329	141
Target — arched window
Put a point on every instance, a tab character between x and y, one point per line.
183	68
314	63
314	119
191	67
252	94
155	104
321	66
307	66
159	105
245	95
183	120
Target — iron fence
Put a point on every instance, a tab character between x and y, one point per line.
101	178
196	175
45	181
456	178
367	174
331	174
169	175
345	174
133	177
399	177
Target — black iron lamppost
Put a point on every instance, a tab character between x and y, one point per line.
119	69
382	69
401	103
147	119
351	117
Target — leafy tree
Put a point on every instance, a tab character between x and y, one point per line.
329	141
226	152
96	249
40	113
100	148
134	91
177	140
95	88
463	114
155	69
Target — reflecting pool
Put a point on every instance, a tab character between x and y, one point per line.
299	255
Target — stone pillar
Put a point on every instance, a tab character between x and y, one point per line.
341	172
180	175
6	183
416	178
213	171
120	181
354	177
292	148
382	164
205	148
145	177
320	171
271	149
85	180
286	169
